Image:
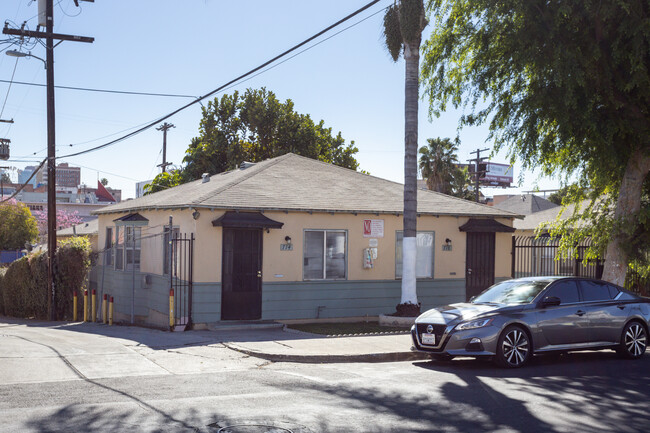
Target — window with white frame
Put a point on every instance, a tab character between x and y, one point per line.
119	247
108	247
424	258
132	248
167	249
325	255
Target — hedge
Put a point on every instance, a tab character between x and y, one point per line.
23	289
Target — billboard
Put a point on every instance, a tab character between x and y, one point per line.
498	174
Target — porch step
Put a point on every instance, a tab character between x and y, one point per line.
239	325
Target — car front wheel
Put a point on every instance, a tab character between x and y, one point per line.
633	341
514	348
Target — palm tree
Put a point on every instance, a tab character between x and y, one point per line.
438	164
403	25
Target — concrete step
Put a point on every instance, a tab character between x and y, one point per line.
240	325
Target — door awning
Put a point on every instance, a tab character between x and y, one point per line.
246	220
132	219
485	226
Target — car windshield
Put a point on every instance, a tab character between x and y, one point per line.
511	292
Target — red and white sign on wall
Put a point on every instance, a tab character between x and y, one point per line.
373	228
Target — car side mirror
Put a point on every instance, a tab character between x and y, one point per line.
551	301
472	298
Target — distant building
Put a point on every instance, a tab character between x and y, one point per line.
24	175
524	204
68	176
139	188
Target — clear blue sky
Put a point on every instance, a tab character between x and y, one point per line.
192	47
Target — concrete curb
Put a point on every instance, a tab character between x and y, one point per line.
331	359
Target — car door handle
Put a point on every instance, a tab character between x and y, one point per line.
580	313
621	306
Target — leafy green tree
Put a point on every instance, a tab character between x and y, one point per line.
256	126
5	177
104	181
564	86
404	22
18	225
163	181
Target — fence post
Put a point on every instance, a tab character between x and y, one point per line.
74	306
110	313
104	307
93	300
171	309
85	305
513	254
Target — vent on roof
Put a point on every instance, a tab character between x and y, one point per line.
206	177
244	165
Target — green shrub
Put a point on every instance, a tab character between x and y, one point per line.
24	286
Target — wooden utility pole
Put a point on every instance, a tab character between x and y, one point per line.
477	170
164	127
49	36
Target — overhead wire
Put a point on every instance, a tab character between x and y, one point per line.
251	72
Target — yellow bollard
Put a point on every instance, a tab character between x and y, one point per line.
171	309
74	306
85	305
104	307
93	318
110	313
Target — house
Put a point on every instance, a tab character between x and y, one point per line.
292	238
526	204
88	229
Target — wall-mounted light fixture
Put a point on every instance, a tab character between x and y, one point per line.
196	214
448	242
288	239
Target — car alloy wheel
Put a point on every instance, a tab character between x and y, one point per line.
514	348
634	341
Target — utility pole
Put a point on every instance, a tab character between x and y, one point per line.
49	36
164	127
477	171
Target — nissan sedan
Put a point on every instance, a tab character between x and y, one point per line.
516	319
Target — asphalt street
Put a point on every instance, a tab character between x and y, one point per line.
62	377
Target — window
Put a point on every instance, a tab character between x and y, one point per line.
132	247
324	255
567	291
119	247
594	291
424	258
167	248
108	247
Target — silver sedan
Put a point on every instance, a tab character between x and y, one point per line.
513	320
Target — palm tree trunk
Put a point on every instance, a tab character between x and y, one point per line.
628	206
412	60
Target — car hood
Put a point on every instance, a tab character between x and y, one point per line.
455	313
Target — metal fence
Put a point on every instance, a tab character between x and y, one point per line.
180	278
540	256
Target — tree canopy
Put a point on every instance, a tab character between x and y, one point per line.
563	85
255	126
441	169
18	225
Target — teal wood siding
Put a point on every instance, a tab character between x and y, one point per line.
309	300
152	301
292	300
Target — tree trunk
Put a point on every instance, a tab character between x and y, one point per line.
411	100
628	205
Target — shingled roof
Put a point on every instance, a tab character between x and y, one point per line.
295	183
526	204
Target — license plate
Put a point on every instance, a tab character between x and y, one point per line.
429	338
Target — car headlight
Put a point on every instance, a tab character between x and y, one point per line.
474	324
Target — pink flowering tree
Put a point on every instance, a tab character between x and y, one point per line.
64	219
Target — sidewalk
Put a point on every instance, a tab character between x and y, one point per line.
291	346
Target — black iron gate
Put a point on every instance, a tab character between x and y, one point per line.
533	256
180	277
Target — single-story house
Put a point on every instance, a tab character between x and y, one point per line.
88	229
292	238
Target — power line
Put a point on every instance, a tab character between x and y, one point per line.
122	92
252	71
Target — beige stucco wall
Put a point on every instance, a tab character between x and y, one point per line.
286	266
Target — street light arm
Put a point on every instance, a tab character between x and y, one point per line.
19	54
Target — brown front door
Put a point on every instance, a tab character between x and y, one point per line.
241	294
479	271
